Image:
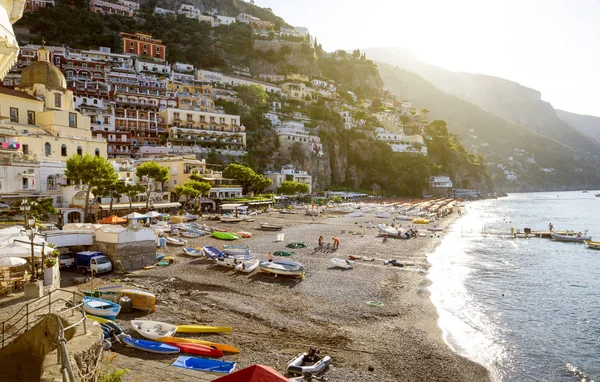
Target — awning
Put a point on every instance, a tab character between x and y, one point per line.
230	206
123	206
27	175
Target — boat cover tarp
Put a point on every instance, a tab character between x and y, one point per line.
254	373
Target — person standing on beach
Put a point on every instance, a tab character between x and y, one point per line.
321	241
270	257
336	242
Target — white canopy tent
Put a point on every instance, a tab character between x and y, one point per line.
135	216
17	250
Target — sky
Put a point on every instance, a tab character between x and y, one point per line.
548	45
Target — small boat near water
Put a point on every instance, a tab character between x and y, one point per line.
592	244
193	252
571	237
176	241
283	267
101	308
153	329
150	346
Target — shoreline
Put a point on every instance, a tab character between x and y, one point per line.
274	319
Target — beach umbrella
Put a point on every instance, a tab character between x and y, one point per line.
112	220
254	373
153	214
135	216
12	261
23	250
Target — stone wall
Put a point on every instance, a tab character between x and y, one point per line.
127	257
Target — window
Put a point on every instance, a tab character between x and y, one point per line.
97	66
79	150
48	149
14	115
69	73
97	152
72	120
63	150
25	149
57	100
51	183
69	64
189	118
84	65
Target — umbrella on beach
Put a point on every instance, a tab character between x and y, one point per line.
22	250
12	262
114	219
153	214
135	216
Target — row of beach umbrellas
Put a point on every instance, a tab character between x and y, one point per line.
114	219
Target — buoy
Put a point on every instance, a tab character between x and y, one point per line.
502	294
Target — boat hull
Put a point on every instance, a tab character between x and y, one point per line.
592	244
101	308
203	329
570	238
150	346
153	329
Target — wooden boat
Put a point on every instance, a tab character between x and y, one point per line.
270	227
341	263
193	252
247	266
153	329
592	244
150	346
211	252
204	364
225	235
101	308
140	300
203	329
175	241
198	349
283	267
178	340
226	219
571	237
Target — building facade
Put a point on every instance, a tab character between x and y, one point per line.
142	44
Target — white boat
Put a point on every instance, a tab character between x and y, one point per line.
341	263
193	252
403	218
383	215
356	214
283	267
247	266
387	229
226	219
434	229
153	329
190	217
101	308
592	244
231	261
163	226
176	241
189	235
571	237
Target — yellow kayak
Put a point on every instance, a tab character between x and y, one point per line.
221	347
100	320
203	329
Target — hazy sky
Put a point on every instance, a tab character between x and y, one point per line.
552	46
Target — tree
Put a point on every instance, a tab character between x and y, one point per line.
187	191
242	174
131	191
152	170
40	208
261	183
252	95
289	187
89	171
110	189
202	187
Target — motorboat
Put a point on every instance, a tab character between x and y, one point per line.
153	329
592	244
193	252
283	267
571	237
231	261
211	252
247	266
175	241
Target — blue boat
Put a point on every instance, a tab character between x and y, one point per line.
150	346
211	252
192	252
101	308
204	364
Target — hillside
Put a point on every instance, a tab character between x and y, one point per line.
538	162
587	125
507	99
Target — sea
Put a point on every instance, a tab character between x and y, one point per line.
527	309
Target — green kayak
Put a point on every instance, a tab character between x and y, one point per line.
225	235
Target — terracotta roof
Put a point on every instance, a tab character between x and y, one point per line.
16	93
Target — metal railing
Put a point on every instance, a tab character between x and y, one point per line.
25	321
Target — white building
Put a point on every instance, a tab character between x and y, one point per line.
390	121
163	11
245	18
189	11
401	143
292	132
347	119
182	67
152	67
288	173
208	76
225	20
230	80
440	185
290	32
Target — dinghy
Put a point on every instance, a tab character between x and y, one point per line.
153	329
192	252
232	261
225	235
403	218
236	249
571	237
179	340
203	329
270	227
283	267
150	346
101	308
176	241
247	266
211	252
198	349
205	364
341	263
189	235
308	364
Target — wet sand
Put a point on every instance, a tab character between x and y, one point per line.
275	318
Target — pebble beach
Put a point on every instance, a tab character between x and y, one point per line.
276	318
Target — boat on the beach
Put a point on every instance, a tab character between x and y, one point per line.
150	346
435	229
247	266
341	263
244	234
592	244
175	241
189	235
571	237
101	308
231	261
421	221
153	329
308	364
225	235
403	218
140	299
162	226
387	229
193	252
205	364
283	267
203	329
211	252
236	250
382	215
198	349
190	217
226	219
270	227
221	347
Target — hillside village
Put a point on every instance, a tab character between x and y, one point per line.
133	106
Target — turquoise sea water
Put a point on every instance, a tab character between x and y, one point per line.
528	309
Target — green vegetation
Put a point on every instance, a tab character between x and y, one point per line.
90	172
152	170
40	208
356	74
247	178
132	191
290	187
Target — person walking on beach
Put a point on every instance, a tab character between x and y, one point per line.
321	241
270	257
336	242
550	227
